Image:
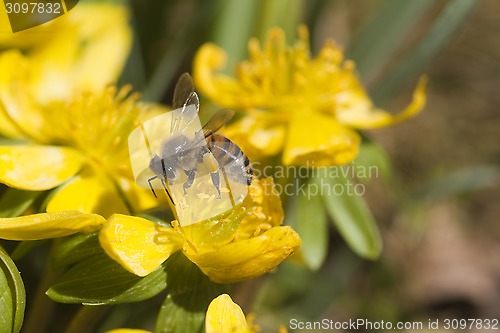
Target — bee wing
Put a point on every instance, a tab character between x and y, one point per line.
213	125
187	101
216	122
184	88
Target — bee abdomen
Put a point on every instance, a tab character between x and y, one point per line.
231	158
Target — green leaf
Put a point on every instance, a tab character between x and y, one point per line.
234	27
134	71
372	162
73	249
6	305
308	217
100	280
376	44
352	217
181	314
185	39
25	247
271	15
447	23
12	295
14	202
190	293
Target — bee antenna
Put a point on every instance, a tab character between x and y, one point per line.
146	140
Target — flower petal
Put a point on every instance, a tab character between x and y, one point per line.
139	198
225	316
137	244
260	210
256	137
82	56
21	115
224	90
91	191
367	118
245	259
7	126
318	140
263	209
37	168
48	225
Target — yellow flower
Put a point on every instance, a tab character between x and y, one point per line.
81	145
72	126
244	243
225	316
309	108
96	22
65	57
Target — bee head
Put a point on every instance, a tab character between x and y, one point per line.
161	168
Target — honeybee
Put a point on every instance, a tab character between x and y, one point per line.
191	155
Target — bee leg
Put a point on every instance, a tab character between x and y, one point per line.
162	179
216	181
151	186
166	191
213	166
191	174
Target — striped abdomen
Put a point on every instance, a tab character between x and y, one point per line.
231	158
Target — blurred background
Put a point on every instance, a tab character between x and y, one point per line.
437	209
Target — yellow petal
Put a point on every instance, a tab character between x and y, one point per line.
127	330
263	194
225	316
8	127
260	210
263	209
21	115
48	225
216	231
224	90
364	117
319	140
139	198
4	23
245	259
137	244
37	168
81	56
91	191
256	137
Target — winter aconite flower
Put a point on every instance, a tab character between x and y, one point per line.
223	315
81	145
308	108
245	243
91	41
69	127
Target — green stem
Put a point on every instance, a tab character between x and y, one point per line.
87	318
42	308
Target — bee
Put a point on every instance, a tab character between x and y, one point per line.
189	152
